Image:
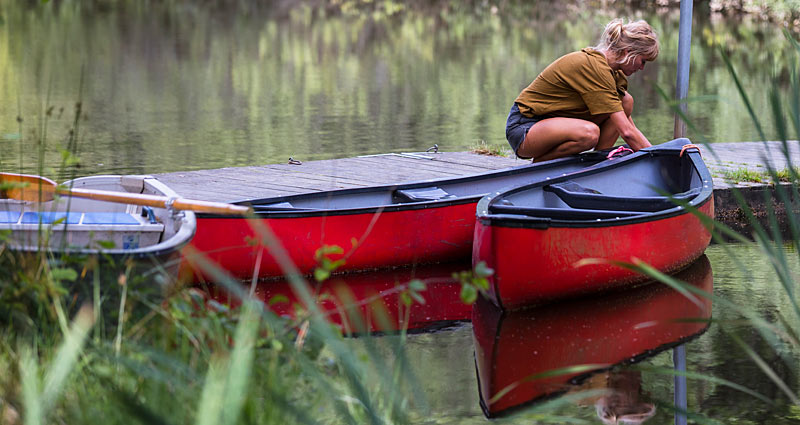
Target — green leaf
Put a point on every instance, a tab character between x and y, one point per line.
417	285
327	250
64	274
469	294
280	298
321	274
406	299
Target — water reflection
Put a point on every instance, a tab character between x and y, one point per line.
527	356
374	302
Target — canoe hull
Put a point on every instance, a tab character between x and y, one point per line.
368	241
562	237
550	256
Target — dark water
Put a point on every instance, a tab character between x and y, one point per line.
168	86
602	328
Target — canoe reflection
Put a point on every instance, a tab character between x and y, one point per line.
531	355
373	302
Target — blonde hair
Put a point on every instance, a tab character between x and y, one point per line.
627	41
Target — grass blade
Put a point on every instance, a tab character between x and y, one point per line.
67	356
29	374
210	406
241	363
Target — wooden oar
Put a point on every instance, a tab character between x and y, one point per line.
25	187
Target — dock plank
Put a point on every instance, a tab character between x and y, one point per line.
358	170
237	183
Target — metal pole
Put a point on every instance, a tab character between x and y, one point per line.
679	362
682	91
684	49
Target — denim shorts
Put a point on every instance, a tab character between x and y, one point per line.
517	126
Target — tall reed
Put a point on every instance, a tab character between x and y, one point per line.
779	331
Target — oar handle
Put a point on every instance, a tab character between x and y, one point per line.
157	201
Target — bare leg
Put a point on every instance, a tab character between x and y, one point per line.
557	137
608	132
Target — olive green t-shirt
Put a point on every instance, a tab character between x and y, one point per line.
576	85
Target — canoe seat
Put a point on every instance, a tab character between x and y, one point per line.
563	213
420	195
577	196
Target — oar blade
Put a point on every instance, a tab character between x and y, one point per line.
24	187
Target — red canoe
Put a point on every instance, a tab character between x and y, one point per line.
535	236
372	302
514	350
376	227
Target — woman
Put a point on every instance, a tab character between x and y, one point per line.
580	101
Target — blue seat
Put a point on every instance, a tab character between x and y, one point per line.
110	218
9	217
51	217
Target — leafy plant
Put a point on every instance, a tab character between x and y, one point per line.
474	282
326	266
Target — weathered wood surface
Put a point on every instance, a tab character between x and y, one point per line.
237	183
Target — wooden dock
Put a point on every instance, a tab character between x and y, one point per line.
238	183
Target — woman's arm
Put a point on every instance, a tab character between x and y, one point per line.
628	131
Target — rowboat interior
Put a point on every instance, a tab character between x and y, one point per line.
84	225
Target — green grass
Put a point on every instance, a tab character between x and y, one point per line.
746	175
483	148
786	175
